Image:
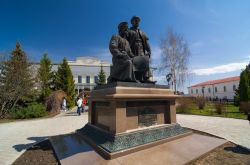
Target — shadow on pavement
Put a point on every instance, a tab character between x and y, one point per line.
20	147
238	149
68	145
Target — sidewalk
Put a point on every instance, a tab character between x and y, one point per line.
235	130
16	137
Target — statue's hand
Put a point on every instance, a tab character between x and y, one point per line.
123	55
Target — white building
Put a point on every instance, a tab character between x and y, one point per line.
85	71
216	89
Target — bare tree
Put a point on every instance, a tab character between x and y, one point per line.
175	57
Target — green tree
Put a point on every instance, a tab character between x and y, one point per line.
244	90
16	80
101	77
237	97
244	86
45	76
64	81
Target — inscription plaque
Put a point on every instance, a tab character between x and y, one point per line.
147	117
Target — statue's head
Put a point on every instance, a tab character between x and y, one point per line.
123	28
135	21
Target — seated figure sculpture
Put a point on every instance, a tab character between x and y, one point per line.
140	47
122	69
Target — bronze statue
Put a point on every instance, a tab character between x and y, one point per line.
140	47
122	69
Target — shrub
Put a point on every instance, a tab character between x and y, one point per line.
184	104
33	110
200	102
54	101
245	107
219	107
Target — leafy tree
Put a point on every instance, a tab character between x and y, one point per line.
45	76
64	81
244	90
244	86
16	80
101	77
175	56
237	97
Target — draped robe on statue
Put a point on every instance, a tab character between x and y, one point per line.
122	69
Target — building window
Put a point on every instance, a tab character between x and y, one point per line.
192	91
87	79
225	89
96	79
209	91
196	91
202	90
215	89
234	87
80	79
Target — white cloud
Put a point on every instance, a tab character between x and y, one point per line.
156	52
102	53
160	79
247	57
220	69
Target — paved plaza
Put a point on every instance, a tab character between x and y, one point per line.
234	130
16	137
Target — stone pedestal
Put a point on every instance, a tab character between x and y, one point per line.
127	117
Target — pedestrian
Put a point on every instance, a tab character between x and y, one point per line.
248	118
79	105
64	104
84	104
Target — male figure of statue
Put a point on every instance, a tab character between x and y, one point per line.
119	47
140	47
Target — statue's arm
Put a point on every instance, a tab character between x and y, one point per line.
113	46
146	43
130	53
147	46
114	49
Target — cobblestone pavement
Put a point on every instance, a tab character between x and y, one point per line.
16	137
234	130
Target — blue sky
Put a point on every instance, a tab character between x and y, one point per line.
218	32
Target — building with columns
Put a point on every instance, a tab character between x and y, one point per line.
216	89
85	71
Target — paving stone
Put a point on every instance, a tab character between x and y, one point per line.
234	130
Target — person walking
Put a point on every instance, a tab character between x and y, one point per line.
79	106
64	104
84	103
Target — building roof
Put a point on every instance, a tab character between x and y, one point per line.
87	60
219	81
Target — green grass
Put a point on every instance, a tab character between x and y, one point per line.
231	111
